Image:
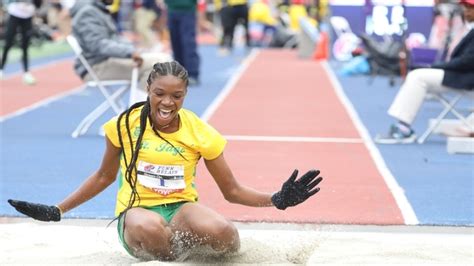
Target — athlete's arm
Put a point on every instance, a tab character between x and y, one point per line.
98	181
293	192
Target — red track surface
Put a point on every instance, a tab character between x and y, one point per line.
51	80
282	95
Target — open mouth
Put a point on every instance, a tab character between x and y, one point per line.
165	116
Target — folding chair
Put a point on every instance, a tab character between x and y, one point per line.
449	107
112	100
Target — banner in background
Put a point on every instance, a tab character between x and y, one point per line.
382	17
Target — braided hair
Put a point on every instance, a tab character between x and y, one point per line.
159	70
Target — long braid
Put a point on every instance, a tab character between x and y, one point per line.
130	167
159	69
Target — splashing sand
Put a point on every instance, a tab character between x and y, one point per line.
30	242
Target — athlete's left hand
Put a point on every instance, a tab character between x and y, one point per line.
294	192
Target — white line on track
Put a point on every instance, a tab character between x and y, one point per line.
46	63
229	86
41	103
292	139
408	213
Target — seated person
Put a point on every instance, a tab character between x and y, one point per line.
110	55
455	74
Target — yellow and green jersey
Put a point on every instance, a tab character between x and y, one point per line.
164	176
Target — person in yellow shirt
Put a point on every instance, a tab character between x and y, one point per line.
260	13
157	145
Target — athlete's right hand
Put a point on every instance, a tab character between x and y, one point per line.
37	211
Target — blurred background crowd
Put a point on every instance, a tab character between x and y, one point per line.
354	26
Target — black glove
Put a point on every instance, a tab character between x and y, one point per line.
295	192
37	211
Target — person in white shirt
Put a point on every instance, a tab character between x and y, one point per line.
20	14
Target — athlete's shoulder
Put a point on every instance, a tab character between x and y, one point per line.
189	115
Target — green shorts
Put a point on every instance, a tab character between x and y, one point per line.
167	211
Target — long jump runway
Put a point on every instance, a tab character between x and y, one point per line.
284	114
278	113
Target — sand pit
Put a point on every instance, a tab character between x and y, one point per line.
80	242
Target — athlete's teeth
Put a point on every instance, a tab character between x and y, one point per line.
165	113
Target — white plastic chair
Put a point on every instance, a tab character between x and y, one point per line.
112	100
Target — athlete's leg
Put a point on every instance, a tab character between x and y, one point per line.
195	224
147	235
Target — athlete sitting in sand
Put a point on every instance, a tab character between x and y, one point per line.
157	144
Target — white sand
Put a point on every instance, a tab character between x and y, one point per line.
84	242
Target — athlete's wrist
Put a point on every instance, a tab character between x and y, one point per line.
60	210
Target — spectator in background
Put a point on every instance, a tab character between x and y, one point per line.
232	12
182	24
260	13
20	19
114	10
59	18
64	17
111	56
204	25
146	13
455	74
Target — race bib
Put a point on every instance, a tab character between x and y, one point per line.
163	179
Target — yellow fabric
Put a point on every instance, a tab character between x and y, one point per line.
261	13
323	8
236	2
218	3
296	12
114	7
195	138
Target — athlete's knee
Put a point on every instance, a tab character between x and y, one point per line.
149	229
149	238
143	227
227	236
